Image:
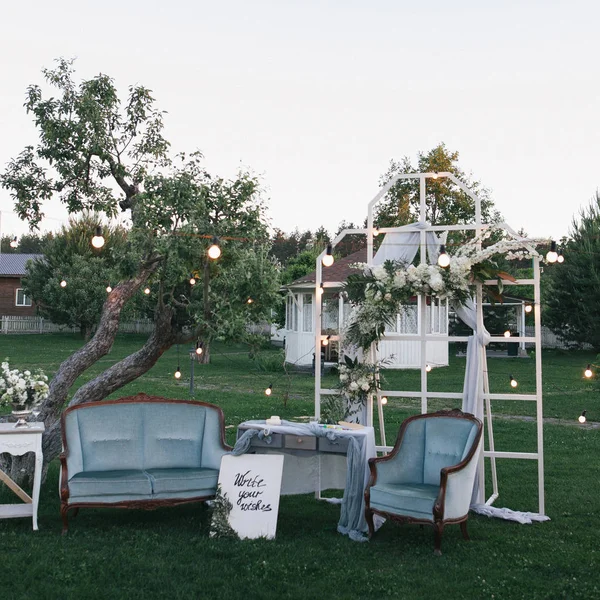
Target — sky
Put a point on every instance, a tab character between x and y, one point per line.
316	97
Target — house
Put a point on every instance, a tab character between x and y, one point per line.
13	301
299	333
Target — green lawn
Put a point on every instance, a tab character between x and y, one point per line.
168	554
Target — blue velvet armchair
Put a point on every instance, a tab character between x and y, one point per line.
429	475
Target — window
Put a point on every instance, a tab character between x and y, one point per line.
307	313
22	299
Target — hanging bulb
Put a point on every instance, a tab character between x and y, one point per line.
375	231
428	368
435	176
269	390
14	243
552	254
321	289
199	348
108	289
325	342
178	373
63	284
146	291
192	280
588	372
249	301
507	333
384	400
443	258
561	258
327	260
513	382
582	417
528	308
214	251
98	239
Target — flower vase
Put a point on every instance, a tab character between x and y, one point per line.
22	413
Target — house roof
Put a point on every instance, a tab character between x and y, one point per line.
13	265
337	273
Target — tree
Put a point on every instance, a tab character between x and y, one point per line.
446	203
29	243
87	273
99	155
573	287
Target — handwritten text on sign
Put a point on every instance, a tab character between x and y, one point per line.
252	483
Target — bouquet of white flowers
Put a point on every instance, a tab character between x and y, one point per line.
22	389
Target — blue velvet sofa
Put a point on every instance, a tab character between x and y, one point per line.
429	475
140	452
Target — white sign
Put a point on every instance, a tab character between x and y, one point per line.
252	483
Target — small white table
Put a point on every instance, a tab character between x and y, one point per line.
18	441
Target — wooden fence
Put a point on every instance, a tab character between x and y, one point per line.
10	324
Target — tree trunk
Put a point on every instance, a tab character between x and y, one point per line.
20	468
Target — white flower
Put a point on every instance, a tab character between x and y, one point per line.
353	386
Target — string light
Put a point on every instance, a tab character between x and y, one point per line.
327	260
63	284
552	254
98	239
513	381
249	301
443	258
561	258
199	348
507	333
375	231
435	176
321	289
582	418
528	308
269	390
384	400
14	243
325	341
146	291
178	372
214	251
192	280
588	372
108	289
428	368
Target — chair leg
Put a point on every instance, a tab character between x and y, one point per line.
438	529
370	524
463	528
75	512
64	510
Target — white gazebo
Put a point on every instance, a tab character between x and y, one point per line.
300	320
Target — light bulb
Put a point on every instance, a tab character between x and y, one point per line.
443	258
249	301
98	239
435	176
513	382
108	289
327	260
214	251
383	399
375	232
588	372
582	418
507	333
146	291
269	390
552	254
528	308
192	281
178	374
428	368
198	349
63	284
14	243
321	289
561	258
325	341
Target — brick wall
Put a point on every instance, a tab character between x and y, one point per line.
8	294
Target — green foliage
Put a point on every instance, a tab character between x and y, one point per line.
572	288
220	527
446	203
29	243
69	256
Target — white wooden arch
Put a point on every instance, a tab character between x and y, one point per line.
484	396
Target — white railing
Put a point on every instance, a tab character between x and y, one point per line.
11	324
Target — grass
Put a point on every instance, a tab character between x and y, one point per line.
168	554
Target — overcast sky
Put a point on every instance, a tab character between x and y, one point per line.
318	96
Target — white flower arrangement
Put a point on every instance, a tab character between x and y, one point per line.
25	388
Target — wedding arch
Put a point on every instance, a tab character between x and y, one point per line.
421	238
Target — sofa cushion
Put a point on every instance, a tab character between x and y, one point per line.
111	437
126	482
414	500
173	435
183	480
